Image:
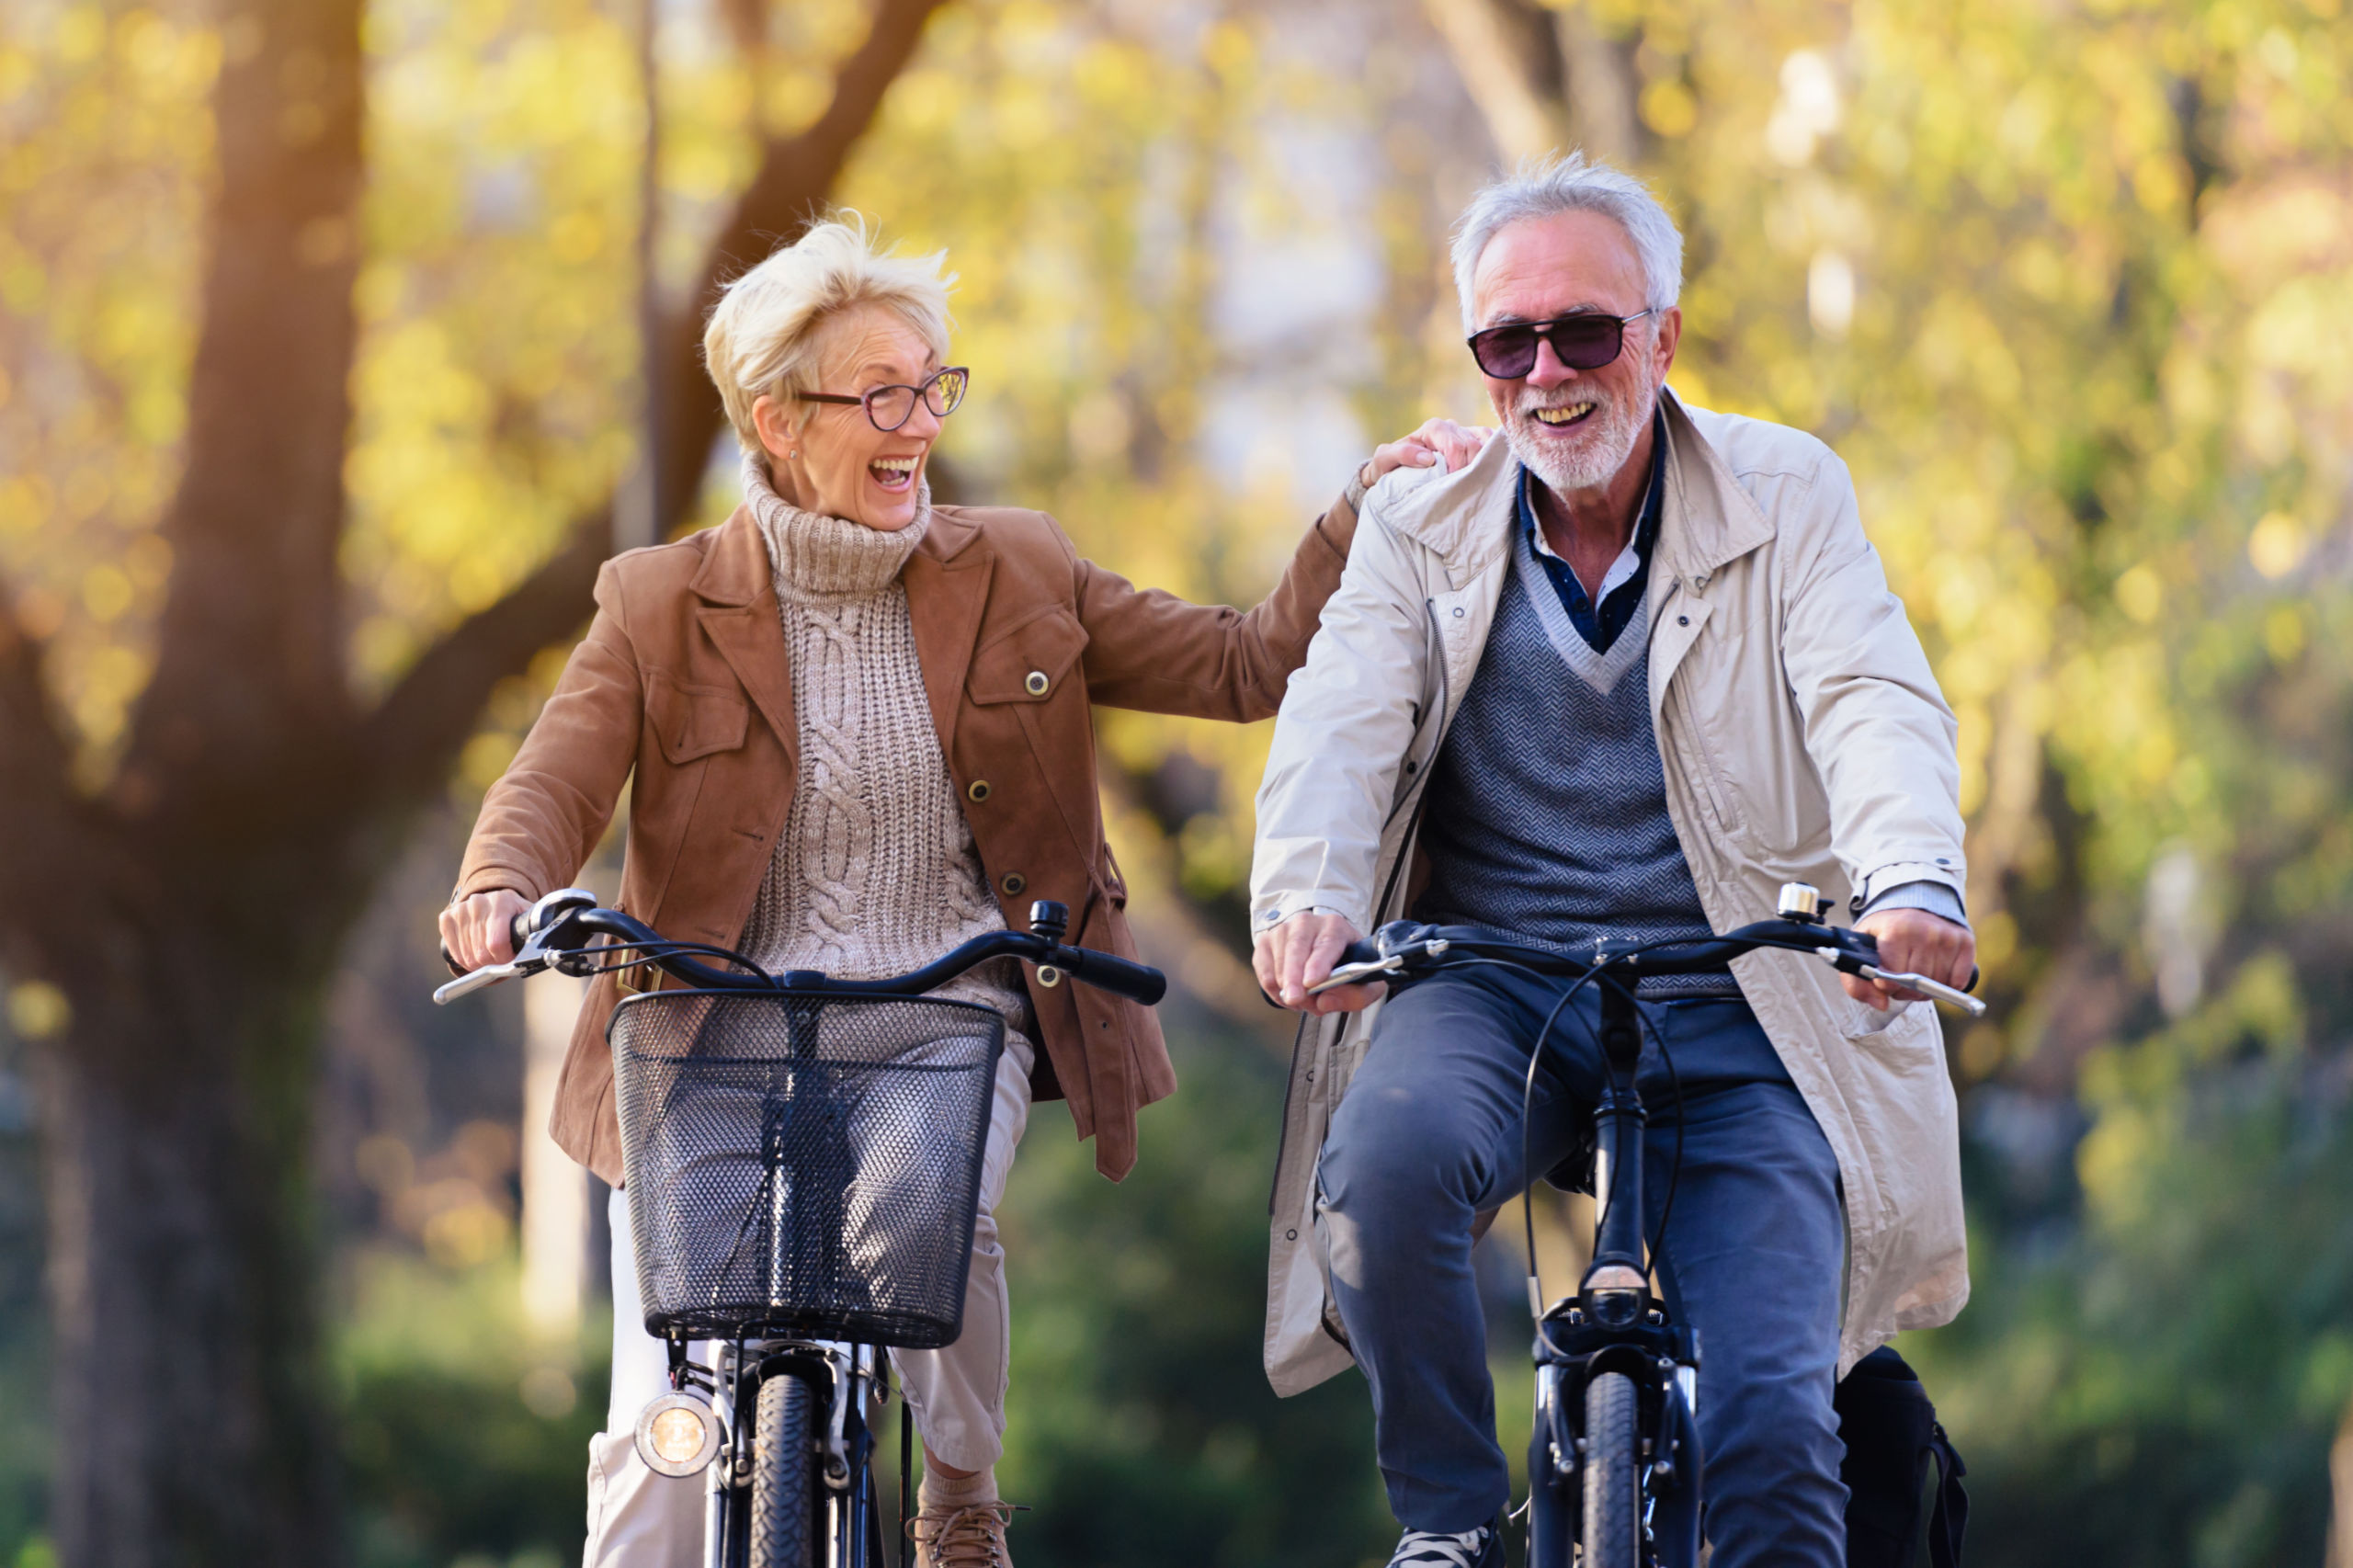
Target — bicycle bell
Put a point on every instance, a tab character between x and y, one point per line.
1801	903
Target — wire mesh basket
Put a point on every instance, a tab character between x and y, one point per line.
803	1165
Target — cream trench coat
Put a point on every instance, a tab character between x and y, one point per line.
1805	738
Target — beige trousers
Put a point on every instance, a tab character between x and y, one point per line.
639	1519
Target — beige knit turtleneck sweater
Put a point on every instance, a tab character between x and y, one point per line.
876	873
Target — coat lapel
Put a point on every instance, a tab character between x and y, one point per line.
739	615
1709	521
948	589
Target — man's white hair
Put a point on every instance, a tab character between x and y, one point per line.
1572	183
764	335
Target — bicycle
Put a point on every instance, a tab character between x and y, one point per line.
1615	1377
803	1159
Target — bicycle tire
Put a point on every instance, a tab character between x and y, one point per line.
783	1532
1613	1498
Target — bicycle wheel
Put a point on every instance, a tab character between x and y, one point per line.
1613	1502
783	1530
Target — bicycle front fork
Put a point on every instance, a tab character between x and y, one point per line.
854	1381
1661	1359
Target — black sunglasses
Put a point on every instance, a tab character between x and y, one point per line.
1585	342
888	407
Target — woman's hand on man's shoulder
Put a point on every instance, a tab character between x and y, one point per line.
1436	441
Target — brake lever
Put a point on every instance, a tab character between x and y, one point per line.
472	981
1391	963
529	959
1936	989
1358	973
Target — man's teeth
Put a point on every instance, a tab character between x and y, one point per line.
1568	415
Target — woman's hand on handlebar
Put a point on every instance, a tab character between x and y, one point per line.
479	930
1912	941
1300	952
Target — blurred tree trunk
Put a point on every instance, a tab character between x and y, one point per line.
1545	78
189	912
2337	1551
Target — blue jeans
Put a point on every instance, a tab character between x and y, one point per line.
1429	1134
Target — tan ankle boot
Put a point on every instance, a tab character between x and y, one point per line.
970	1537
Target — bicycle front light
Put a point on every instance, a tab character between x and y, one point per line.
676	1434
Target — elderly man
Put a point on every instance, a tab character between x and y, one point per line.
1626	672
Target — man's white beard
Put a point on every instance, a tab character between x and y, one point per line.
1600	447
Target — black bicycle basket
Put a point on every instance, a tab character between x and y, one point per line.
803	1165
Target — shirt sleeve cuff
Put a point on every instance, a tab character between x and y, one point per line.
1274	914
1934	897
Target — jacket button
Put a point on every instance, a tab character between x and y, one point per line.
1049	976
1014	882
979	789
1036	684
1682	620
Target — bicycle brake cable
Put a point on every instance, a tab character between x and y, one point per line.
1527	1177
1674	1170
1527	1100
643	954
1527	1110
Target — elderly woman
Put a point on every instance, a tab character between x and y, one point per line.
860	730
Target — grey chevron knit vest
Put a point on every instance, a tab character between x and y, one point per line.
1547	818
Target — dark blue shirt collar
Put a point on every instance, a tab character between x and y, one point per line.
1601	625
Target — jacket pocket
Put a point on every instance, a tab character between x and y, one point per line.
1860	1020
691	721
1028	661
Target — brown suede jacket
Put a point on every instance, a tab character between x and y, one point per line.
682	681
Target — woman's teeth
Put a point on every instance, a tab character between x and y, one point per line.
894	473
1568	415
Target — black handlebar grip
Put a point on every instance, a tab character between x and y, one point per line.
1364	950
1107	971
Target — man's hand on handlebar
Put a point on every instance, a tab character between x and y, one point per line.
1912	941
1300	952
479	930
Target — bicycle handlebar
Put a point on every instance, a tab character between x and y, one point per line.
556	933
1403	950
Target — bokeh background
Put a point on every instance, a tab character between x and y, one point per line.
339	340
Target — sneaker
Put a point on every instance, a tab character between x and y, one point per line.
970	1537
1482	1548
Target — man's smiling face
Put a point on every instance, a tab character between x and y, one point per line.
1575	429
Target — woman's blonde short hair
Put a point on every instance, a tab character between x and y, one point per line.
763	337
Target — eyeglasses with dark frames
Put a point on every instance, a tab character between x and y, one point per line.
888	407
1584	342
